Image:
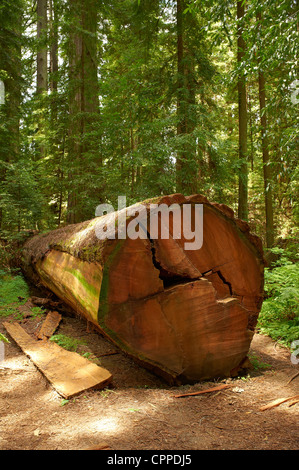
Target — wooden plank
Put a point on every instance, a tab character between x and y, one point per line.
68	372
49	326
292	378
208	390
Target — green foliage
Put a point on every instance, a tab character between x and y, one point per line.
64	402
13	291
57	159
106	392
67	342
21	200
279	317
5	255
257	363
3	338
87	355
37	312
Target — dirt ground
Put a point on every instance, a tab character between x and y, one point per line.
139	411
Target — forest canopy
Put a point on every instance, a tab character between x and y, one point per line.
144	98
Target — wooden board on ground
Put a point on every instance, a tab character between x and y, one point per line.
68	372
49	326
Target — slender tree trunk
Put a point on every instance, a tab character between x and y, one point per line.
251	132
83	109
11	124
10	62
266	164
41	64
75	108
266	158
75	90
56	140
54	45
186	168
243	176
42	67
181	126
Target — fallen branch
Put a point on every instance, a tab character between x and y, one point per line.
209	390
292	378
109	354
293	402
278	402
44	302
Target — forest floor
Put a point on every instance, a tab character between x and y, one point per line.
139	411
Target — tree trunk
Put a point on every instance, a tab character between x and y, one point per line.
180	99
42	67
187	314
75	108
186	168
266	166
10	62
243	176
266	157
251	131
84	107
56	139
54	47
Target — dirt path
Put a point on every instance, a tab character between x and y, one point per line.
139	412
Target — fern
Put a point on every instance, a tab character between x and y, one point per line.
279	317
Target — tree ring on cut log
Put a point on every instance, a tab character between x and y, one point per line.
187	315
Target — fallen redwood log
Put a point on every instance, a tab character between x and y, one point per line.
187	314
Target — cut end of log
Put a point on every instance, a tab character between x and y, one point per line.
187	314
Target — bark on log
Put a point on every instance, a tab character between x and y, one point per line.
187	315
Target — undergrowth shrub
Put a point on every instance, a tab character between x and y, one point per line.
13	291
11	248
67	342
279	317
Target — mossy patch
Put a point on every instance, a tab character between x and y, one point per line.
88	287
103	301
